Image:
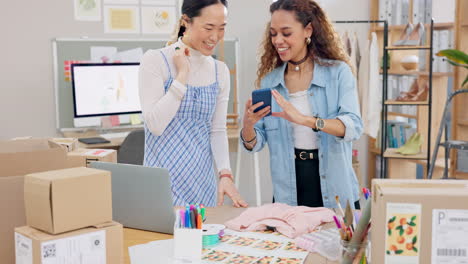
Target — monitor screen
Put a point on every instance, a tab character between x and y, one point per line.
105	89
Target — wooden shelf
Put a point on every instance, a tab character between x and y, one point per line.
463	122
437	26
439	164
375	150
422	73
407	47
402	115
391	153
461	175
394	102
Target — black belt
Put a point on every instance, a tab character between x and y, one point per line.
306	154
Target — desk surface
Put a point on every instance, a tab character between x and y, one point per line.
216	215
232	133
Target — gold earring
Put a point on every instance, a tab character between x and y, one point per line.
308	40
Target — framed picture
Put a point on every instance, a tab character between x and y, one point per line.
158	20
121	19
87	10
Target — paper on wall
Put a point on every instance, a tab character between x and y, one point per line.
23	249
121	19
103	54
87	10
131	55
449	233
88	248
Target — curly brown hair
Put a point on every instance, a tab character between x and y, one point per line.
325	44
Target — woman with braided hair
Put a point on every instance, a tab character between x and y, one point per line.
184	96
315	114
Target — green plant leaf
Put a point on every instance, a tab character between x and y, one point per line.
456	64
465	81
457	56
389	232
415	239
415	249
399	227
399	251
411	224
402	232
392	220
388	252
413	218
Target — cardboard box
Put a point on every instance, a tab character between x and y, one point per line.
70	144
99	244
69	199
82	157
18	158
419	221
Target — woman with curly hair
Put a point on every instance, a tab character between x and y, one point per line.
315	114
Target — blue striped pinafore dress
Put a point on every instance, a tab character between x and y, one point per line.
184	148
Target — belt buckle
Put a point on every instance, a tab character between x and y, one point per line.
300	155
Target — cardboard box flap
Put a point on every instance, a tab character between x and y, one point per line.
26	145
422	191
37	198
380	184
28	156
43	236
67	193
106	224
66	174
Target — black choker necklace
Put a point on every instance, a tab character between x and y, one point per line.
297	63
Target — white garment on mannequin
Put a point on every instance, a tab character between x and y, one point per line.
374	98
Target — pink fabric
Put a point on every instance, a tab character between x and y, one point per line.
291	221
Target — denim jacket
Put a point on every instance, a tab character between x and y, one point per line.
332	94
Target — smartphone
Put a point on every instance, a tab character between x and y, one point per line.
262	95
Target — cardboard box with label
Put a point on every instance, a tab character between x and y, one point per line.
100	244
64	200
82	157
419	221
17	158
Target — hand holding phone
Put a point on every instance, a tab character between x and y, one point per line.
262	95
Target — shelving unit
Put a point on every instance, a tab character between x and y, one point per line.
406	168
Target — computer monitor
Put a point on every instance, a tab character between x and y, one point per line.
101	89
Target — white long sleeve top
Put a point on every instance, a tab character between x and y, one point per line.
159	107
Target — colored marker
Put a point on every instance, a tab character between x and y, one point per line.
200	221
192	219
182	218
337	222
187	219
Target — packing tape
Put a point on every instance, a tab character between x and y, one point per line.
212	234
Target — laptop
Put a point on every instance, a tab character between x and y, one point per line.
141	196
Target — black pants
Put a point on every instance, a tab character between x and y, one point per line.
309	192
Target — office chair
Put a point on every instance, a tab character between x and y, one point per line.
132	149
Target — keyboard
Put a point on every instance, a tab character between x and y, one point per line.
115	135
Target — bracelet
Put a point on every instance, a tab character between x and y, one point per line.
226	175
245	141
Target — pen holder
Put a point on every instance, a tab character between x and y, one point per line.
188	244
353	251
